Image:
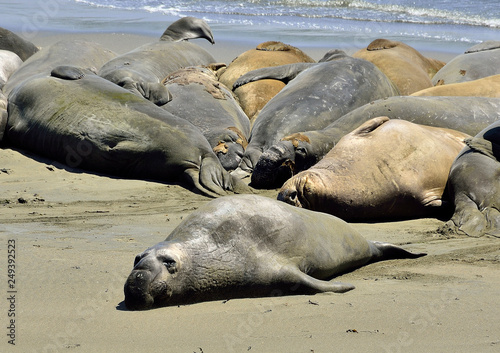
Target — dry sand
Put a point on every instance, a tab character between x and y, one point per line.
76	235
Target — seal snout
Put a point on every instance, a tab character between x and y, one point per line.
137	288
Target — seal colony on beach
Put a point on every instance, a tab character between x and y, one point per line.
381	135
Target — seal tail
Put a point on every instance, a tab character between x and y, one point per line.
387	251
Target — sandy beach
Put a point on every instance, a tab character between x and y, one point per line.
76	235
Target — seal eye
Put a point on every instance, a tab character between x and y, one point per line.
137	259
169	264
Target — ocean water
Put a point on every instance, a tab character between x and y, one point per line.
442	25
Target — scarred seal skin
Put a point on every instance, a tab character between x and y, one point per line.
248	246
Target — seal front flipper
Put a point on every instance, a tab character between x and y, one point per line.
292	275
283	73
152	91
68	72
486	147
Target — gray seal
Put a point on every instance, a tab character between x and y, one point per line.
316	95
301	150
152	62
248	246
474	185
12	42
198	97
85	121
477	62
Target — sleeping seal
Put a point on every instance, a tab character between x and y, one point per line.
247	246
85	121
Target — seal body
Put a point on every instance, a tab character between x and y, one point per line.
474	185
246	246
200	98
316	95
9	63
77	53
85	121
383	170
302	150
406	67
152	62
253	96
12	42
477	62
488	86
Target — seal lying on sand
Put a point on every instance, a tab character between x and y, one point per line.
301	150
316	95
9	63
488	86
406	67
198	97
247	246
474	185
152	62
384	170
85	121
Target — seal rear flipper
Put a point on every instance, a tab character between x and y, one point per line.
474	222
188	28
386	251
293	275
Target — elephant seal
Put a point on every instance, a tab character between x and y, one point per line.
479	61
315	95
406	67
474	185
9	62
384	170
3	114
255	95
248	246
301	150
200	98
12	42
77	53
152	62
85	121
483	87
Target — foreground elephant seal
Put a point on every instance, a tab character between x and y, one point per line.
255	95
479	61
406	67
383	170
198	97
474	185
152	62
85	121
247	246
9	63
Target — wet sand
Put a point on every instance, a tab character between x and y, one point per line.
76	235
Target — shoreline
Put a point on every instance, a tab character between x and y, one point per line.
224	50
